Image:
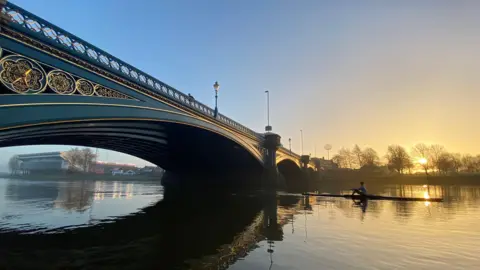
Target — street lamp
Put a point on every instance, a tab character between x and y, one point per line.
290	145
268	127
301	135
216	86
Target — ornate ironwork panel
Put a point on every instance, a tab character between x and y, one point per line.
22	75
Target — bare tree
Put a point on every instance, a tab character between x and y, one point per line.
436	151
422	151
476	163
469	163
369	157
445	163
339	161
409	165
456	161
80	159
347	157
357	155
87	158
74	158
397	157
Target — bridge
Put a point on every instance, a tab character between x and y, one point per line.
59	89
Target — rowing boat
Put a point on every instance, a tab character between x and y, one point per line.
373	197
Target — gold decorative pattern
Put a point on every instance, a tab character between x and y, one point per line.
61	82
21	75
25	76
84	87
105	92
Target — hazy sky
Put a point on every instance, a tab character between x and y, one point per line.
366	72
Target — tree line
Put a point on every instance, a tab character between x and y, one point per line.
429	158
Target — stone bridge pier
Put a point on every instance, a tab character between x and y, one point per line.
271	180
308	173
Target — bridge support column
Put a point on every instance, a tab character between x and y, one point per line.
271	176
307	177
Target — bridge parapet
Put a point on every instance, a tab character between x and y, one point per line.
33	26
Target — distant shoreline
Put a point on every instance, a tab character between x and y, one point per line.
350	178
354	178
77	177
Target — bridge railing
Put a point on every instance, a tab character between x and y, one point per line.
287	151
34	26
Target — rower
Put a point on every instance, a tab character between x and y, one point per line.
362	190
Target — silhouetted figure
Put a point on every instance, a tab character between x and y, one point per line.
362	190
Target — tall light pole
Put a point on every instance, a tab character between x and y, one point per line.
290	145
268	127
301	136
216	86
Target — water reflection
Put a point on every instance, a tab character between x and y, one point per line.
330	233
75	196
215	230
69	195
36	205
250	231
18	190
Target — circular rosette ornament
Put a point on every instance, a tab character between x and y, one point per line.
84	87
60	82
22	75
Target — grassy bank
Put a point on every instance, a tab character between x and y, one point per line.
50	177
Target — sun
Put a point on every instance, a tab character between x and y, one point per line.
422	161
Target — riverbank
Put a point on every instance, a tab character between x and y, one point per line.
77	177
407	179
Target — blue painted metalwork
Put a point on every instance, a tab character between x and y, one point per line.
36	27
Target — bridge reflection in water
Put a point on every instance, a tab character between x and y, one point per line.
175	233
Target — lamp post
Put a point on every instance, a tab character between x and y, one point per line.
290	145
301	136
216	86
268	127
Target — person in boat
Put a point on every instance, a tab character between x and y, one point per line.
362	190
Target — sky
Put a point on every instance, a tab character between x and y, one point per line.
372	73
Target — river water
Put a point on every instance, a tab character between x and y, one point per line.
139	225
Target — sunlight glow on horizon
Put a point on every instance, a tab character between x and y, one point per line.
422	161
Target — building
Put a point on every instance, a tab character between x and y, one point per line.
56	162
150	170
102	167
43	162
324	164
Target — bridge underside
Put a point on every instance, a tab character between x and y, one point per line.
52	92
195	155
293	176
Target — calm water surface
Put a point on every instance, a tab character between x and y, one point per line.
138	225
46	205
